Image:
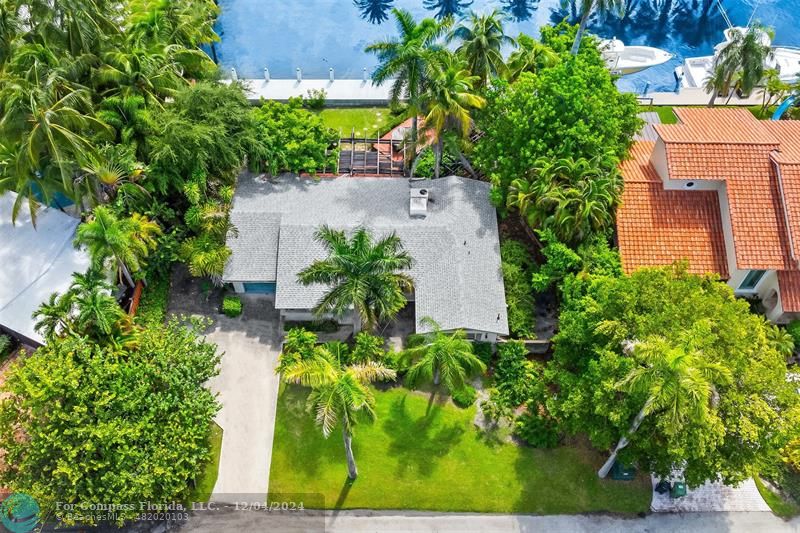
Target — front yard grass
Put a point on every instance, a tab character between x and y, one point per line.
780	506
207	478
367	121
432	457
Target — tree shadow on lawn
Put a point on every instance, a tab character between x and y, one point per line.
417	442
306	448
343	494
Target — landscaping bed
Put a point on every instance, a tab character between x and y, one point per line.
427	455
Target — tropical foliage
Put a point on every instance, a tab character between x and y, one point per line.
740	63
481	40
367	276
678	368
445	357
82	422
339	393
565	120
517	269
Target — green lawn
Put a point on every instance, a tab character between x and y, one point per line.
779	505
667	115
369	121
208	476
416	457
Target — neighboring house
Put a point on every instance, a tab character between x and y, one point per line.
34	263
448	226
722	190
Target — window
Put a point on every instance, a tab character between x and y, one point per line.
751	280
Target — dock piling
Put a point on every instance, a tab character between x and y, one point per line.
266	74
234	75
330	74
299	74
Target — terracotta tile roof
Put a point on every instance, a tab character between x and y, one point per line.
715	125
788	134
657	227
789	286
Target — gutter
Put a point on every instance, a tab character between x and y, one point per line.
784	206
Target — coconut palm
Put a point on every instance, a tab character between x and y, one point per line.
339	393
718	82
139	72
745	55
365	275
678	385
118	244
404	60
442	356
586	8
529	56
481	40
571	197
448	102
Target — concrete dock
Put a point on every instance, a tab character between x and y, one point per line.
342	93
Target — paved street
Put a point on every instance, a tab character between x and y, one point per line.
374	522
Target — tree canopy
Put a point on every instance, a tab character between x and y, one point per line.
571	109
734	408
85	423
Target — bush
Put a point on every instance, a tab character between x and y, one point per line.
427	163
232	306
517	379
5	346
319	326
153	305
793	328
465	396
538	431
484	351
494	411
516	267
367	348
316	99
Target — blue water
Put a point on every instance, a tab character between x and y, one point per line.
318	34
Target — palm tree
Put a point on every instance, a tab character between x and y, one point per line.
481	42
571	197
448	101
745	55
678	384
142	72
530	56
121	244
587	7
365	275
404	60
718	82
338	394
443	356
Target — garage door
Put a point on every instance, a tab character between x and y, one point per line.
259	288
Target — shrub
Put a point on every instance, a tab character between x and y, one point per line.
793	328
516	267
232	306
316	99
367	348
538	431
517	379
5	345
153	306
319	326
484	351
494	411
427	162
465	396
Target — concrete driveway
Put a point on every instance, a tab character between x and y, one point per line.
248	391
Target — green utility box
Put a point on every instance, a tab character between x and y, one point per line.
621	472
678	489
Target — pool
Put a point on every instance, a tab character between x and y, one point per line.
316	35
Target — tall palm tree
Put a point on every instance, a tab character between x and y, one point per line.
365	275
745	55
448	101
481	40
530	56
586	8
145	72
338	394
572	197
444	357
121	244
678	384
404	60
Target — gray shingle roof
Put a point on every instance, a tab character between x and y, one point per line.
456	251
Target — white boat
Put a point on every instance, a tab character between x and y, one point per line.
784	59
622	59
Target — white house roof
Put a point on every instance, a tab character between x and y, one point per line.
456	249
34	262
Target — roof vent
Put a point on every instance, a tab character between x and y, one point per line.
418	204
